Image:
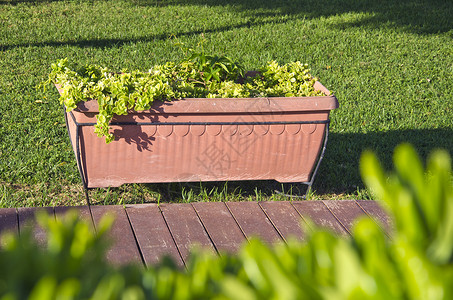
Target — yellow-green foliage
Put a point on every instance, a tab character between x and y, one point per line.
198	75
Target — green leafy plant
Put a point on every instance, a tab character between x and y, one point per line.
416	262
210	67
198	75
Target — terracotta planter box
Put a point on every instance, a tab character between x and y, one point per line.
205	140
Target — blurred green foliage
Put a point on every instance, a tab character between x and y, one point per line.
414	263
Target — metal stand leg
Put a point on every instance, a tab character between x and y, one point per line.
77	152
310	183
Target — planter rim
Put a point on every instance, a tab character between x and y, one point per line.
239	105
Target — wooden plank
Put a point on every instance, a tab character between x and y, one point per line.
8	220
27	221
124	248
320	215
254	222
185	227
378	214
82	211
220	225
285	219
346	211
152	233
8	223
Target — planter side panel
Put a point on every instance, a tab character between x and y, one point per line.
172	153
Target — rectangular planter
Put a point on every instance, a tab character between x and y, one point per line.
204	140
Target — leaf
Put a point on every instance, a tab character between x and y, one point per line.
374	177
441	209
422	279
351	279
216	75
410	171
224	67
233	288
44	289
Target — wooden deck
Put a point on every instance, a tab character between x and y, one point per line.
145	233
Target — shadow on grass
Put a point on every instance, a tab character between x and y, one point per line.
16	2
417	16
339	171
106	43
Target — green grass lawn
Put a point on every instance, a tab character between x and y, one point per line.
390	64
